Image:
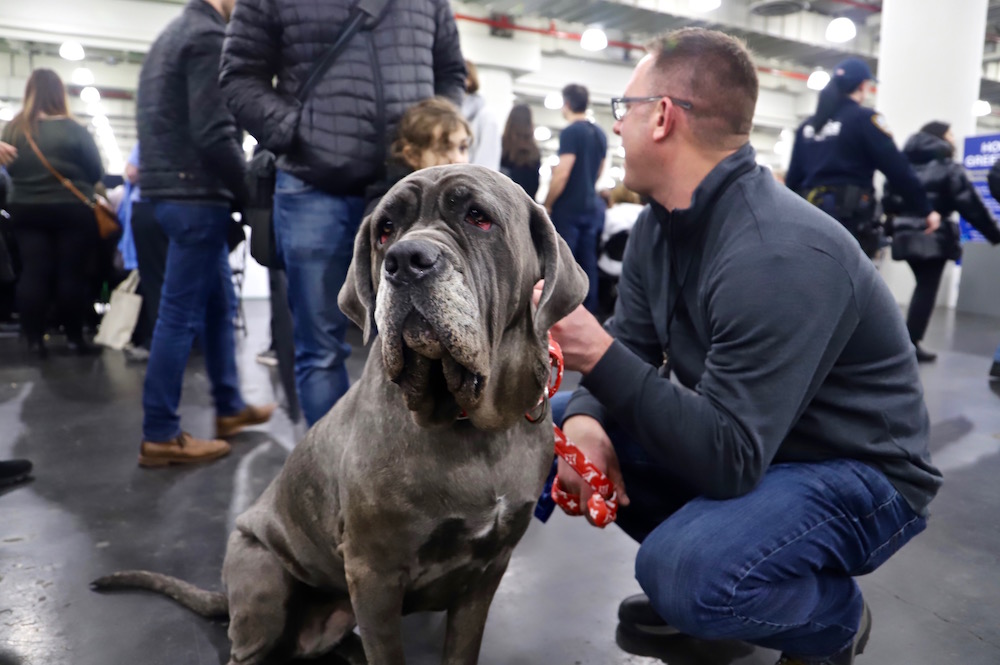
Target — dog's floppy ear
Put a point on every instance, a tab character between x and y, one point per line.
357	296
566	283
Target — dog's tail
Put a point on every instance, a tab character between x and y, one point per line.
210	604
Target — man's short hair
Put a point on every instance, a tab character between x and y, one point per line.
716	74
576	97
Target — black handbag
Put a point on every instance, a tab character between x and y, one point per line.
911	243
262	172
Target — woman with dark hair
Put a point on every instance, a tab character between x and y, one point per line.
55	232
931	152
520	159
837	152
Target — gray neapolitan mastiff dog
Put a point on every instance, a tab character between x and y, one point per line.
411	493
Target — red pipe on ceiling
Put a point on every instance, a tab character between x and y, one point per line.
859	5
504	24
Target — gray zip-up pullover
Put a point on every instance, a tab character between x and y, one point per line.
788	343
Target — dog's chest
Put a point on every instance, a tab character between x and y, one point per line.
458	551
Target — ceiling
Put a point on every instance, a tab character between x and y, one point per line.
625	21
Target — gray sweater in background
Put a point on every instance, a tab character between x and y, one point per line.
788	344
70	149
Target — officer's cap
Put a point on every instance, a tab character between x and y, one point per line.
851	73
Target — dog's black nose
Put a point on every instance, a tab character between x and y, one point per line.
409	261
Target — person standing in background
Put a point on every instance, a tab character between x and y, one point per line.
55	232
837	152
520	158
572	201
331	147
192	169
485	148
431	133
931	152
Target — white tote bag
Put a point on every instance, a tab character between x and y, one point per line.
122	315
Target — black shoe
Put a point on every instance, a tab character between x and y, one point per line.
636	613
82	347
14	471
995	370
923	355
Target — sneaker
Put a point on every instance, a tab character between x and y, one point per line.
995	370
182	449
923	355
845	657
14	471
268	358
636	614
226	426
135	354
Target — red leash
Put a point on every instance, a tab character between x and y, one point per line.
603	503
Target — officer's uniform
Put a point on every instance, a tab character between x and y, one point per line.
833	169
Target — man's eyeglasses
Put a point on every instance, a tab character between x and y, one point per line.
620	105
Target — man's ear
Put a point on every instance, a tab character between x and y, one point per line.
566	283
666	114
357	296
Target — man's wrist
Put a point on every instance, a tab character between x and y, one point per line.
596	352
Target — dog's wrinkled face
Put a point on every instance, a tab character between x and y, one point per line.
450	257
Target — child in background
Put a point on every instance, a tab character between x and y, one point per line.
431	133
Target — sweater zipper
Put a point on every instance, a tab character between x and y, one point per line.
379	101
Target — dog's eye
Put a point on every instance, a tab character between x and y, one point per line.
478	219
384	231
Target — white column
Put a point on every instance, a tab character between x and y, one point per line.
497	88
929	71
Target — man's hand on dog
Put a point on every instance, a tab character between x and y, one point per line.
581	336
584	342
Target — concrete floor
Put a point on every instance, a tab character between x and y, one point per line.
91	510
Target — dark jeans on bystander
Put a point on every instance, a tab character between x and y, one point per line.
58	244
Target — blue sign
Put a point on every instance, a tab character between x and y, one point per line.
980	153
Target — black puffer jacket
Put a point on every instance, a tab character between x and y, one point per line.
947	185
336	140
189	144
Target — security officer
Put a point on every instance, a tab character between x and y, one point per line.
836	154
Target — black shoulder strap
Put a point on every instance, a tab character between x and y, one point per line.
362	10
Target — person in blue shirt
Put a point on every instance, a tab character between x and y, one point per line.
837	152
573	203
131	176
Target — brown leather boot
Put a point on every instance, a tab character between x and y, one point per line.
182	449
226	426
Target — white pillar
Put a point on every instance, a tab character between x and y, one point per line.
929	71
497	88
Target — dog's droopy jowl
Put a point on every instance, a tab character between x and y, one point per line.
411	493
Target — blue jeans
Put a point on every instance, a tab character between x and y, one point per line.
314	235
197	300
581	233
774	567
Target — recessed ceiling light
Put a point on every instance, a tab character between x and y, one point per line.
554	101
841	30
818	80
593	39
82	76
71	51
